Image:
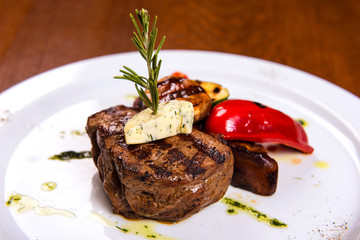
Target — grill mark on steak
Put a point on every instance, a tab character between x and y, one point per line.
161	172
141	153
164	146
193	166
212	152
195	170
175	155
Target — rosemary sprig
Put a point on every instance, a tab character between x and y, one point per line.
145	43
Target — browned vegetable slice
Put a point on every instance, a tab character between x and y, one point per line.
181	88
216	92
254	169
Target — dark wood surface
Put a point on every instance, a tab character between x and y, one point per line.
321	37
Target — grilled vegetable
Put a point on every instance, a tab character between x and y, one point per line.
252	121
179	87
216	92
254	169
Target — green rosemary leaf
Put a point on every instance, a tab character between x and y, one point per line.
142	17
134	73
155	97
136	27
143	96
157	70
139	46
160	46
133	79
150	47
154	64
153	92
154	25
145	43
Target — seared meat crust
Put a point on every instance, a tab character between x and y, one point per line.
169	179
103	129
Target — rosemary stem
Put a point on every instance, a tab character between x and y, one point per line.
144	41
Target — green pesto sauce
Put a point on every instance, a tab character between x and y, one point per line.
68	155
235	205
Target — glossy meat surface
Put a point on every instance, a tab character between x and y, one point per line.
169	179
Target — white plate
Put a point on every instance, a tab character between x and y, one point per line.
39	115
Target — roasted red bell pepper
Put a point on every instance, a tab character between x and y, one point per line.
252	121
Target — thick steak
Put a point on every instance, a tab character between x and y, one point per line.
169	179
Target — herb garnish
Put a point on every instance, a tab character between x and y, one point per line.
68	155
145	43
259	215
125	230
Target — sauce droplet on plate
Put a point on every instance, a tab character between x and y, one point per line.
48	186
23	204
321	164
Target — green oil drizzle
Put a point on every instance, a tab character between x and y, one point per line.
235	205
143	228
302	122
68	155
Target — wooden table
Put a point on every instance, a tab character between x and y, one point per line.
321	37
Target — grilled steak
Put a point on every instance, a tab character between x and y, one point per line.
254	170
169	179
